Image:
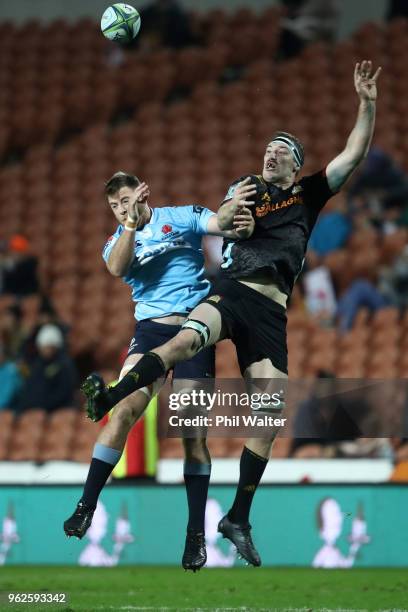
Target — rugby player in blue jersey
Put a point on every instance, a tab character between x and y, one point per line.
157	251
248	303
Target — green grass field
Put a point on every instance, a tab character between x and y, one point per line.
169	588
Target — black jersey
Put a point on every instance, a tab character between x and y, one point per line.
284	219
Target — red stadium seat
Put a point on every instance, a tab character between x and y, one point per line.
384	318
26	436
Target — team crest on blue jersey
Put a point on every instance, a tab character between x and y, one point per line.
168	232
172	236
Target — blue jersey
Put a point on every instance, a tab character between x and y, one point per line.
167	273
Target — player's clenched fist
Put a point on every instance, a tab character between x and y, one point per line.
243	222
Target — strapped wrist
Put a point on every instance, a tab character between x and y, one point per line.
130	226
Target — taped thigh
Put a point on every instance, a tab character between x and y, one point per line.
201	328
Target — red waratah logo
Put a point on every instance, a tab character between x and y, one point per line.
166	229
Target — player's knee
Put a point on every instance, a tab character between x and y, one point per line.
261	446
128	412
196	450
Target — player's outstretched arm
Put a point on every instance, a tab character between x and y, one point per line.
123	251
358	143
243	225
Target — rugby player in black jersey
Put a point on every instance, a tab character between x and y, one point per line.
248	302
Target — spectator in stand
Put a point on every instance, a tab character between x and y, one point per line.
381	188
393	283
319	295
360	293
12	331
52	380
47	316
320	422
19	269
391	290
333	421
307	21
10	381
165	23
332	228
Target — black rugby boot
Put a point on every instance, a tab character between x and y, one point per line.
98	402
78	524
195	554
240	535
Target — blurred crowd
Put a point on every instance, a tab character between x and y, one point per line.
36	367
350	419
376	201
36	370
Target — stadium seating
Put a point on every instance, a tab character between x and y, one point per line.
35	436
174	118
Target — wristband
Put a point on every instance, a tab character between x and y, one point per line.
130	224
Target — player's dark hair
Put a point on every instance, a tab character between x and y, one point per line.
119	180
296	143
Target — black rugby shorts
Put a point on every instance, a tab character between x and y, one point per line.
256	324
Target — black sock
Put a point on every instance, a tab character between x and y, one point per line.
99	472
144	373
251	468
196	479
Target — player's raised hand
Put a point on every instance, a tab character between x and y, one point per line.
243	192
365	82
141	195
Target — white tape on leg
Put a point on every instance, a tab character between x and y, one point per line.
146	391
125	370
